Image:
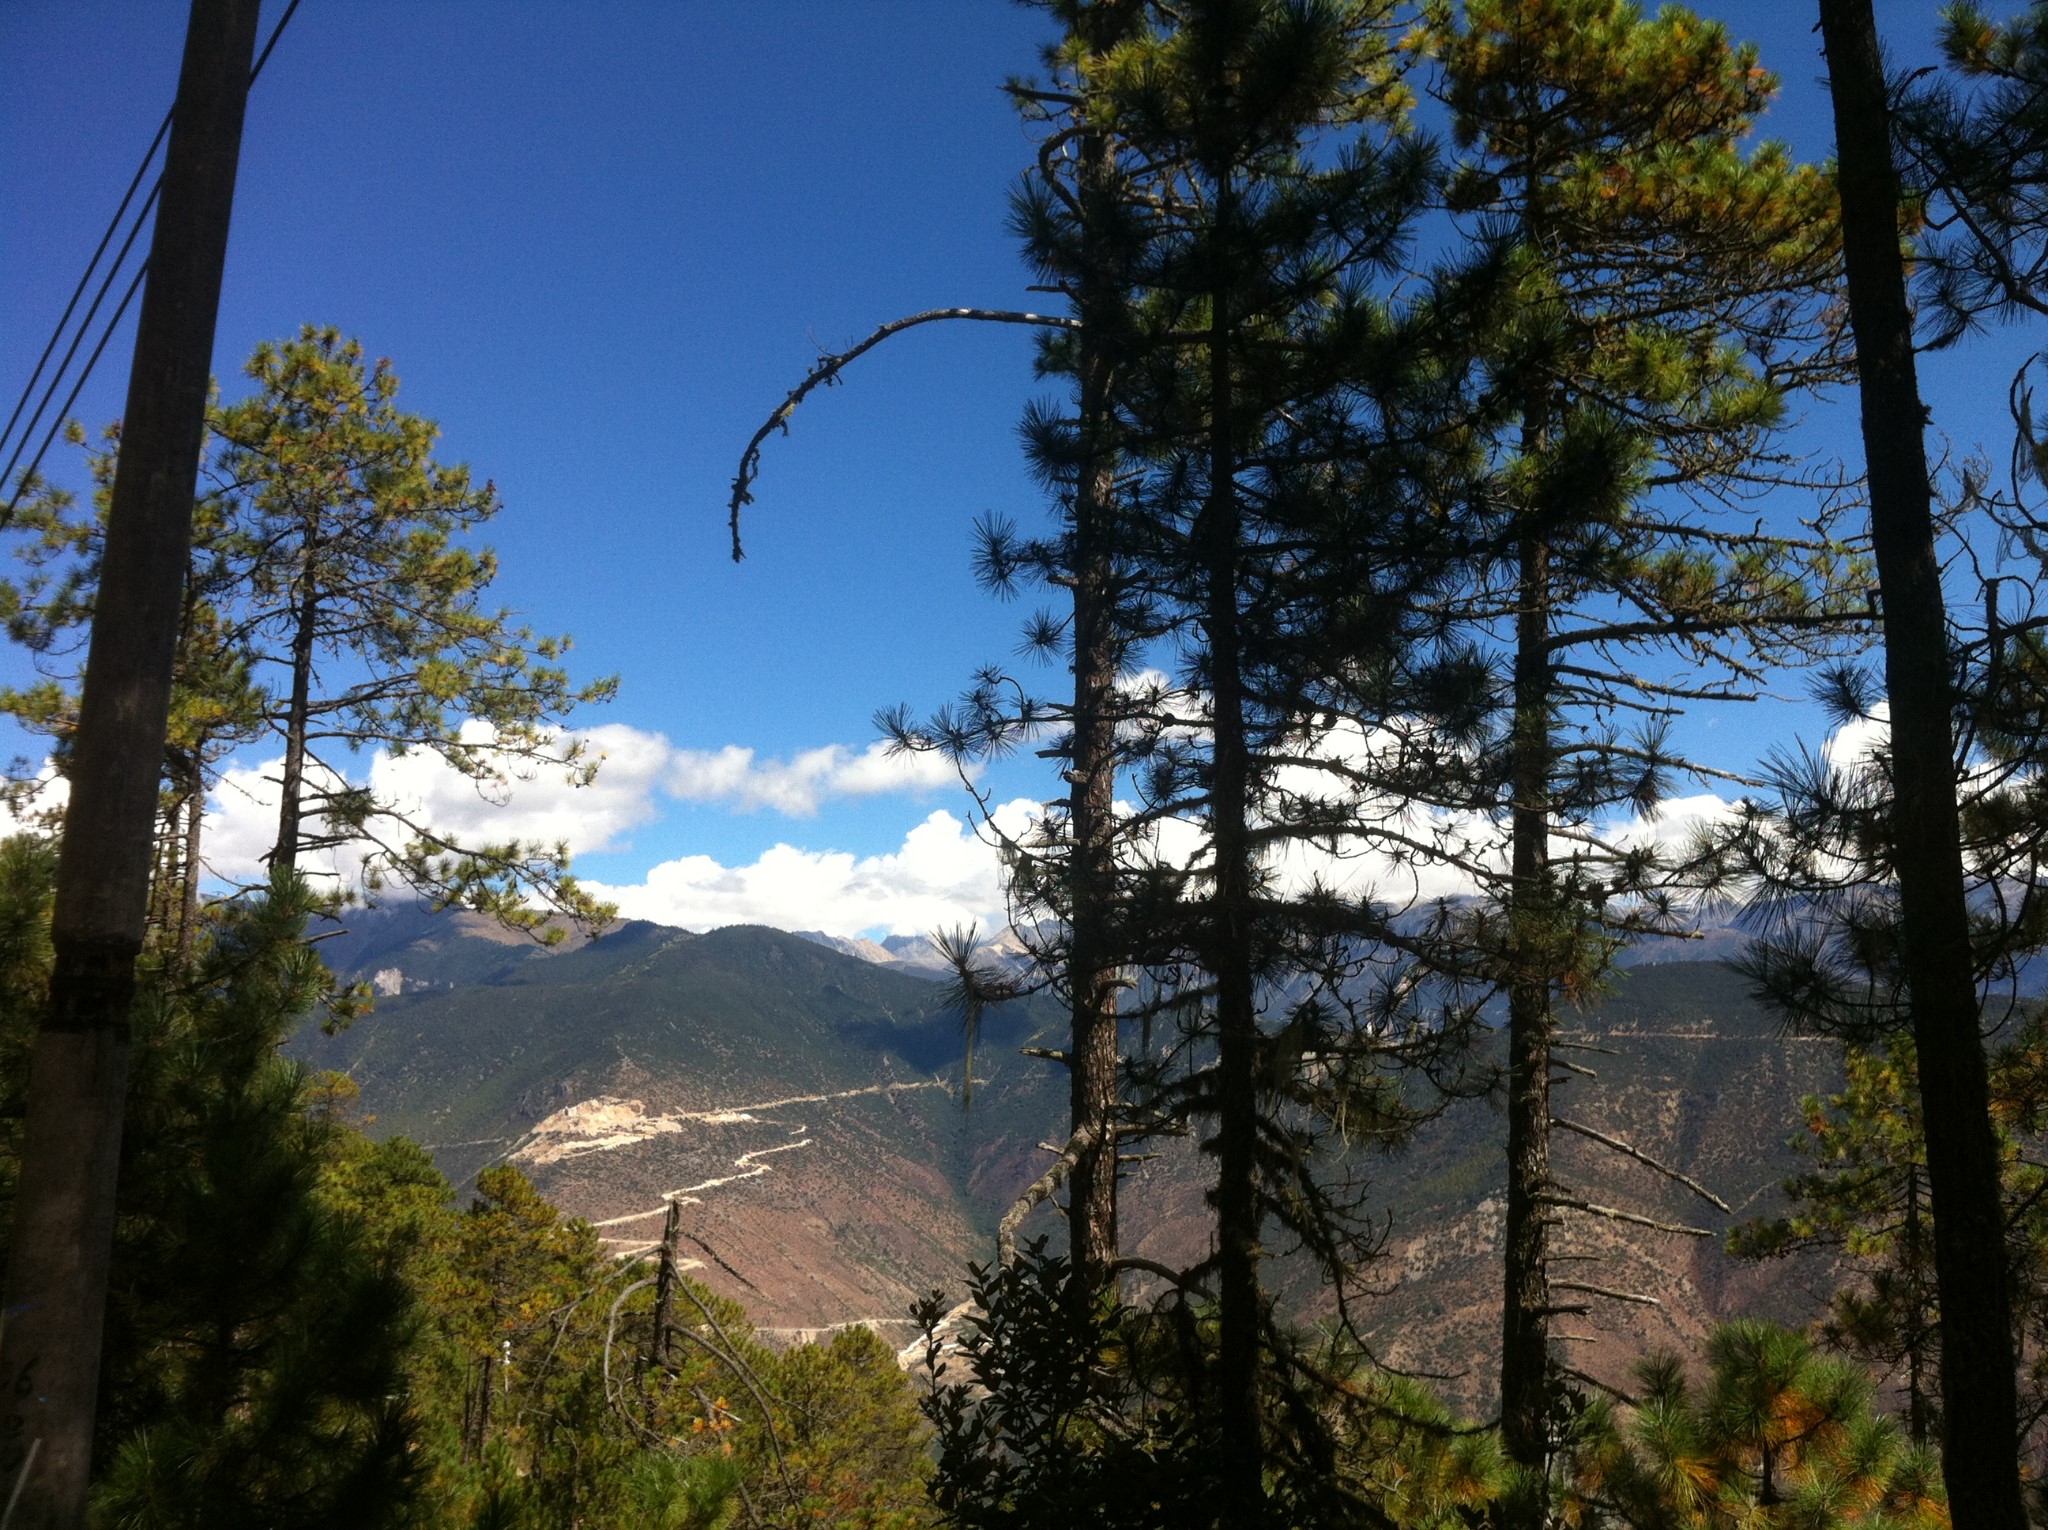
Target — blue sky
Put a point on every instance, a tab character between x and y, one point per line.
599	242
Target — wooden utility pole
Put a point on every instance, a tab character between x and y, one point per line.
64	1204
665	1287
1980	1412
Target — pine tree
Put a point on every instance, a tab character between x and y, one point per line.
1979	1454
255	1338
1642	295
1080	220
1081	215
1866	1198
1777	1436
1282	215
216	705
333	607
1089	255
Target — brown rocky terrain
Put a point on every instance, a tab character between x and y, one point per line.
803	1107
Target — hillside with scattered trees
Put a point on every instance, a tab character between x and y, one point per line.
1337	1134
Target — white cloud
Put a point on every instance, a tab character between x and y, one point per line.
796	786
37	805
1858	740
538	803
941	875
637	772
1673	825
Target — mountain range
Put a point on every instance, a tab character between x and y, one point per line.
802	1098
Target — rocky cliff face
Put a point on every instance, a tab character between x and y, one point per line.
802	1105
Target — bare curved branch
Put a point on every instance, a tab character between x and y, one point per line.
1644	1159
827	370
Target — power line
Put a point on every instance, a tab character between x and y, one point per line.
79	291
275	33
113	322
78	339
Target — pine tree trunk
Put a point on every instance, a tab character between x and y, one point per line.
160	922
284	855
1917	1334
1093	1052
1980	1420
1525	1307
1230	939
479	1412
62	1233
188	900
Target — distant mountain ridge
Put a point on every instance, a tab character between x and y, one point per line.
803	1103
917	953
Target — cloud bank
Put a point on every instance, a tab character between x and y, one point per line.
941	873
941	876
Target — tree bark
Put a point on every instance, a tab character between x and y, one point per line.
298	709
1230	936
1092	963
479	1411
1525	1305
64	1207
188	890
665	1288
1980	1418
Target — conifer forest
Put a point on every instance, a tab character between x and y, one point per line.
1420	464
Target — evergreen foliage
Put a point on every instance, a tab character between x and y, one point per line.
305	1330
1052	1413
1867	1197
334	606
1777	1435
1400	500
1643	296
255	1341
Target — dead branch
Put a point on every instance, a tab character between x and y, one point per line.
727	1354
1599	1385
1040	1192
1567	1203
1609	1293
1166	1272
827	370
611	1330
1647	1161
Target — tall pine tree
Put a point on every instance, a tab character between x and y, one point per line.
1642	294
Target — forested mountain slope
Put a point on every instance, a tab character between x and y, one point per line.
806	1102
807	1105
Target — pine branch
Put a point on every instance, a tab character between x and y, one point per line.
1646	1160
1569	1203
1041	1191
827	370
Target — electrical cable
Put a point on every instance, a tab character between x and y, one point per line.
113	225
78	339
275	33
7	515
113	323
